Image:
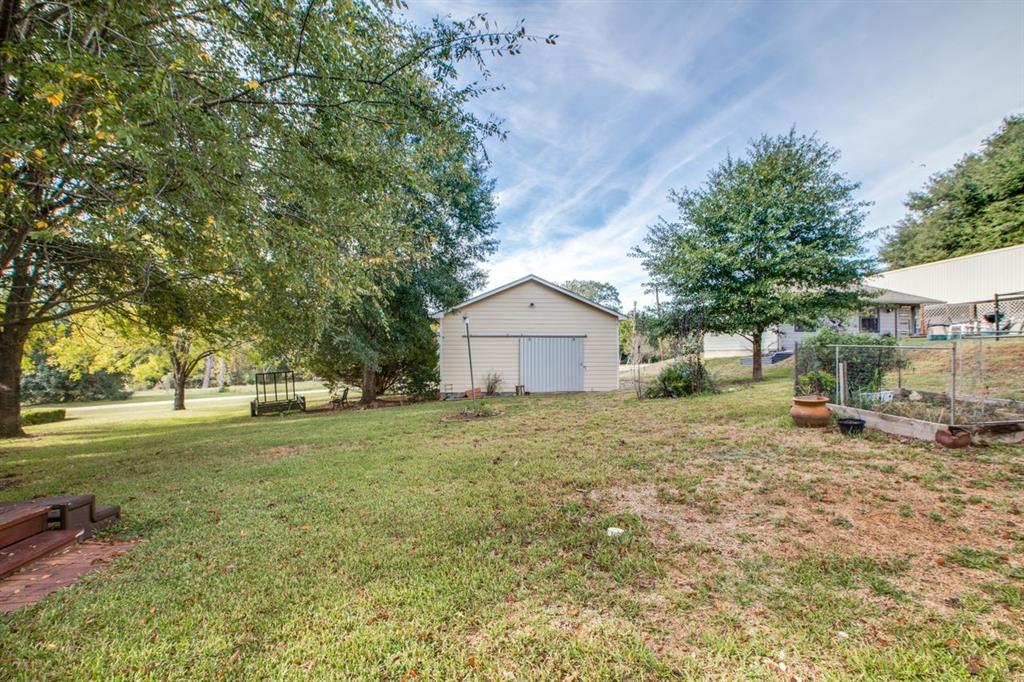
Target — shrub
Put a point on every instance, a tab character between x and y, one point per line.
493	383
47	383
681	379
43	417
866	367
816	382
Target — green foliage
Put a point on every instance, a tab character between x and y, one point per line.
866	367
770	238
380	349
387	341
100	342
626	328
602	293
47	382
816	382
188	162
975	206
681	379
43	417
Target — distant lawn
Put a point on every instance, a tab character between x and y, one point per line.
388	544
167	394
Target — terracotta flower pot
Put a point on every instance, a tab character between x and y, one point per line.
810	411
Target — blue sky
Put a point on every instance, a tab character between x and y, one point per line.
641	97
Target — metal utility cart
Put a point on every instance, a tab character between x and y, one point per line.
275	392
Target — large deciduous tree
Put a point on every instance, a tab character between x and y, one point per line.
772	237
254	145
603	293
387	340
975	206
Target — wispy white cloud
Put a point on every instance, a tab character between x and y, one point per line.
639	98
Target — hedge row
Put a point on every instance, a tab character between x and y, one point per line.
42	417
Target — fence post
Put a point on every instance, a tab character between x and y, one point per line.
796	368
995	305
839	388
952	386
843	378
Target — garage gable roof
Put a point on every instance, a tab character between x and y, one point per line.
538	280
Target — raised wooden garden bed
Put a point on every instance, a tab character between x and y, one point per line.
983	433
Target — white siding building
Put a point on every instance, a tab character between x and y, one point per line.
964	279
532	333
891	313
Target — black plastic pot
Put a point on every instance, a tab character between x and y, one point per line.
850	426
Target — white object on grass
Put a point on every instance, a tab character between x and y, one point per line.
614	532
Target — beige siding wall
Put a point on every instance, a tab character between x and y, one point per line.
509	312
725	345
966	279
734	345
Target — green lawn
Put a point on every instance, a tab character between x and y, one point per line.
391	544
167	394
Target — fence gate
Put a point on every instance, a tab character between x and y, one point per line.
551	364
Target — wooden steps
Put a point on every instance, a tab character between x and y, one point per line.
14	557
24	538
72	512
20	521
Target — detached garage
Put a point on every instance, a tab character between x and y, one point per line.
533	333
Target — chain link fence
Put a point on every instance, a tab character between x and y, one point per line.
977	381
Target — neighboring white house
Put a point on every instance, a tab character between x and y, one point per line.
891	313
533	333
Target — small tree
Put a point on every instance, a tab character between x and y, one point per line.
770	238
379	349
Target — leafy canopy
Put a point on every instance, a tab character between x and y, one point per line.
387	340
249	148
603	293
977	205
769	238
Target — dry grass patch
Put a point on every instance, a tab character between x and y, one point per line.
282	452
712	512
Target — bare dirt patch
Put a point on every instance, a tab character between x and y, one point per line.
470	416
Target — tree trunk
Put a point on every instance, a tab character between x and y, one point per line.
181	368
12	347
180	377
222	372
17	306
207	371
369	385
755	343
